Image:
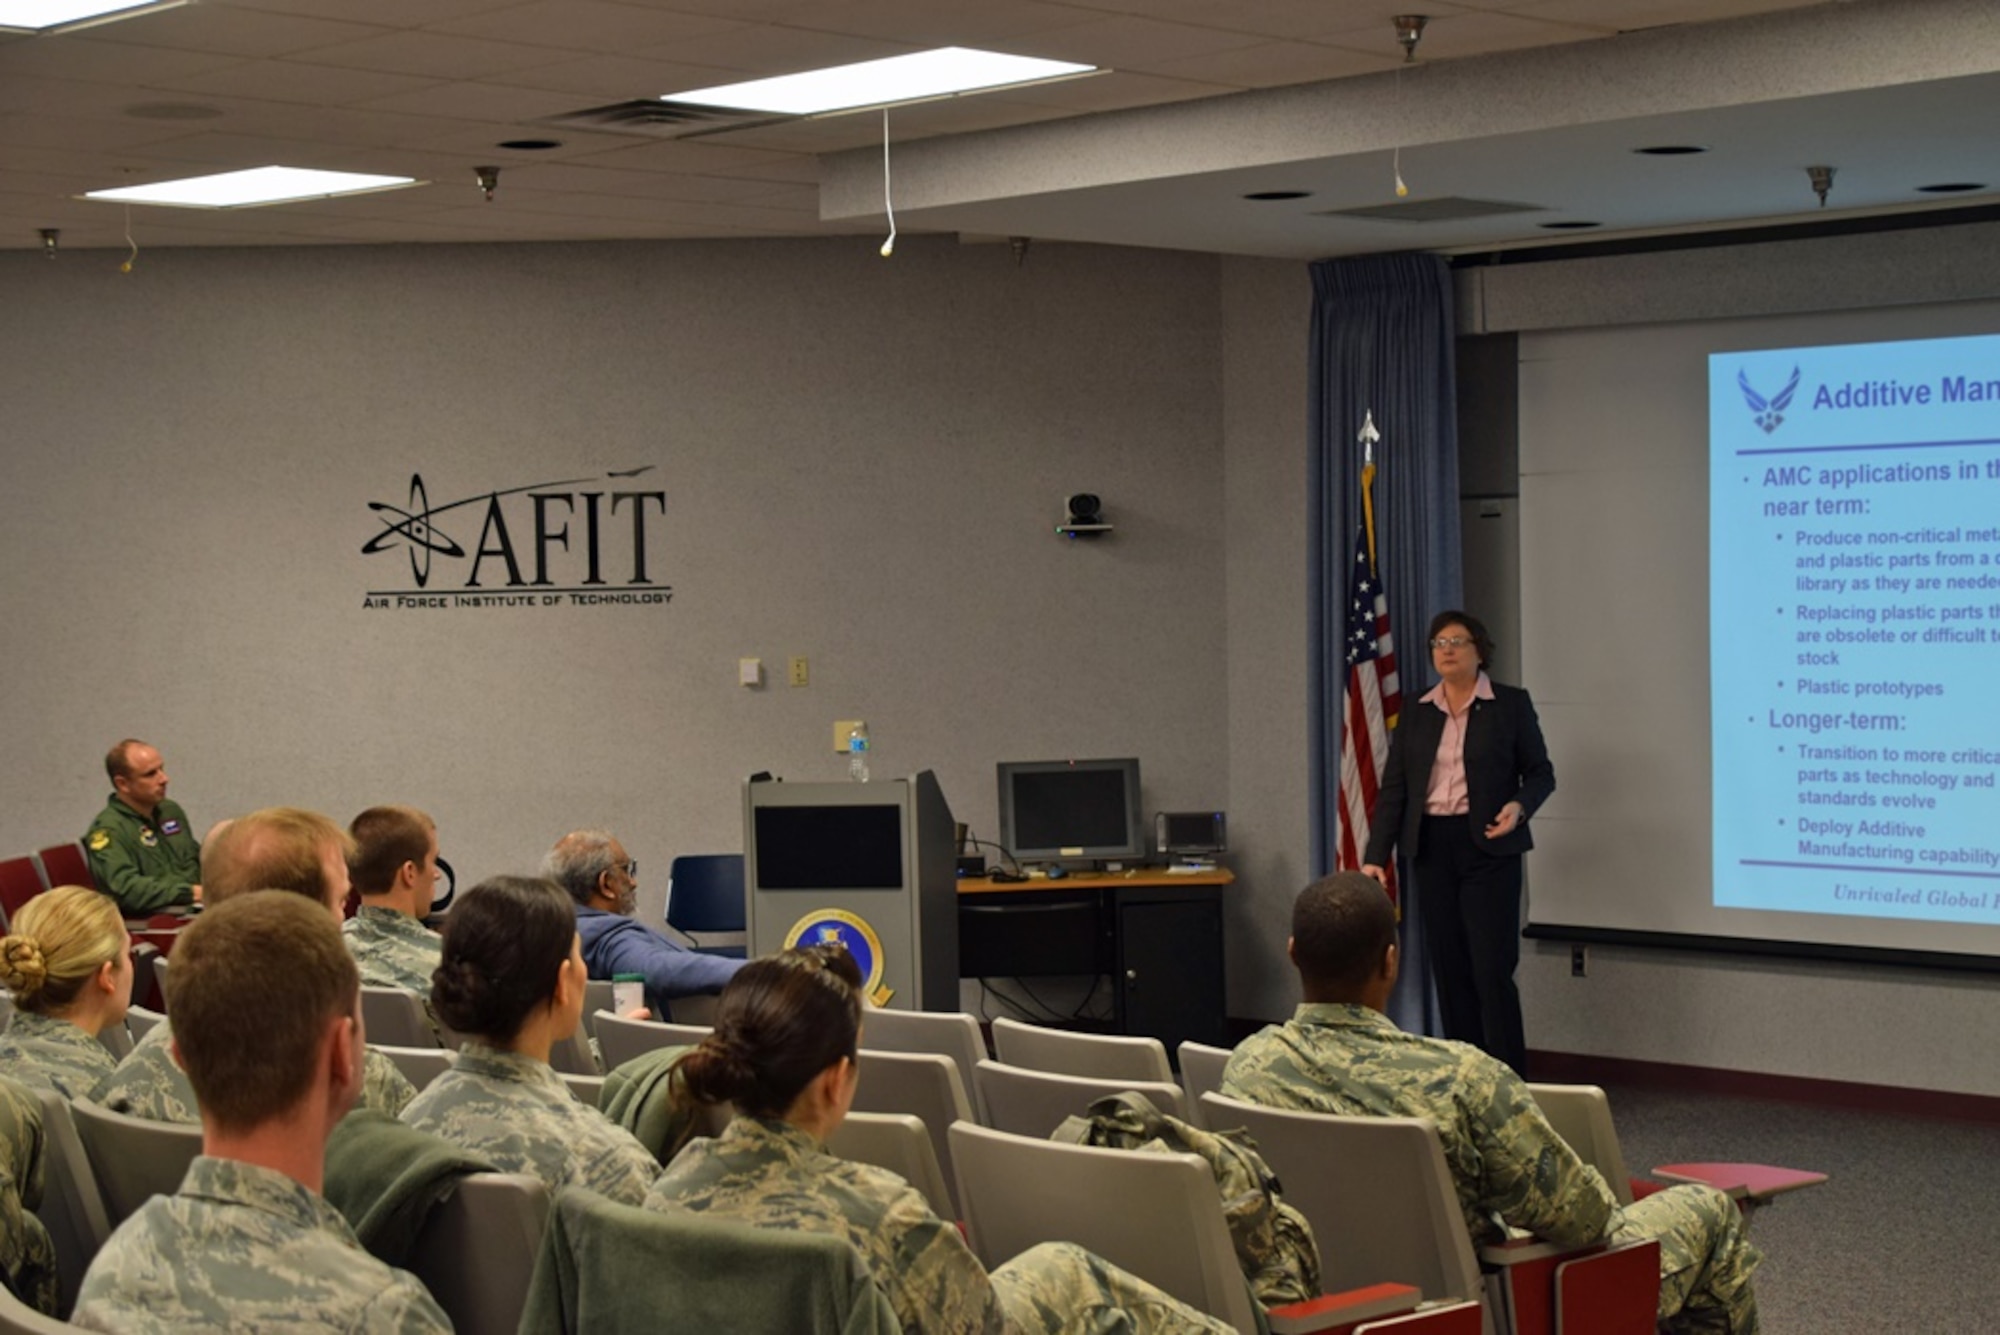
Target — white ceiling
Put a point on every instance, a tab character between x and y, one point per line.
1531	101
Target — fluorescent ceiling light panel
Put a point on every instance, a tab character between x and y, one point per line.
254	185
876	83
42	15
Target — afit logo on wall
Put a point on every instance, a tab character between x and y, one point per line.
579	542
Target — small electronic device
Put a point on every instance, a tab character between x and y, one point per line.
1193	837
1075	810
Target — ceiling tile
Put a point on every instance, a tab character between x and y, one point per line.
483	140
64	56
1632	15
589	180
1126	42
707	156
200	154
91	134
588	25
770	49
467	100
596	80
1277	64
1113	91
1454	36
1303	19
994	23
386	13
437	55
287	81
229	30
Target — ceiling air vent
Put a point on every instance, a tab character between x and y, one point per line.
1449	208
653	118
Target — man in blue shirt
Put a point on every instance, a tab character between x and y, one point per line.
592	866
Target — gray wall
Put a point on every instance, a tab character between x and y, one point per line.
862	462
1266	320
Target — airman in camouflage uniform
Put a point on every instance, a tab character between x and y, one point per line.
775	1175
392	949
1510	1168
517	1112
52	1053
148	1084
26	1257
243	1248
394	867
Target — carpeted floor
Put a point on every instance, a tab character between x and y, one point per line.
1901	1239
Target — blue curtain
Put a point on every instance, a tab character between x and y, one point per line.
1381	342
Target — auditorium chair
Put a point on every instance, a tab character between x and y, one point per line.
477	1249
72	1207
953	1034
133	1158
1383	1206
65	864
1157	1216
621	1039
1034	1103
1201	1073
1062	1052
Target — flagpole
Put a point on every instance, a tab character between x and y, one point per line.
1369	435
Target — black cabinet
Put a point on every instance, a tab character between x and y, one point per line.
1168	970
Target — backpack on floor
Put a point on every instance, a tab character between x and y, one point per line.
1274	1244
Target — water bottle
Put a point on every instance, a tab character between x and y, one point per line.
857	753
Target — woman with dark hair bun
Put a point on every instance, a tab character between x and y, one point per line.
511	980
787	1032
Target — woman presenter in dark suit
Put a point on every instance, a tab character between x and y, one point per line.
1467	767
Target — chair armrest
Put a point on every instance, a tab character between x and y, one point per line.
1532	1281
1340	1313
1444	1318
1741	1181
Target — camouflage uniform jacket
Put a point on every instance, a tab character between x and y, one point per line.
518	1113
27	1258
145	864
51	1053
1508	1164
392	949
774	1175
1505	1159
246	1249
148	1084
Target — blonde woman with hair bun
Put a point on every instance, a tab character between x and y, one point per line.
67	961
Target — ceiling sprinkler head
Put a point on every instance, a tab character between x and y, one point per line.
489	180
50	235
1410	31
1822	181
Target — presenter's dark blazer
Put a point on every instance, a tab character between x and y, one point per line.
1505	761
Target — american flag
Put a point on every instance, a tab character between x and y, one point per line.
1374	699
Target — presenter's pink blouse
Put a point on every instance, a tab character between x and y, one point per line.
1447	795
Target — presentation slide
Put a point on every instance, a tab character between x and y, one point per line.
1854	632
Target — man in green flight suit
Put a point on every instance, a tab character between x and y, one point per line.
141	850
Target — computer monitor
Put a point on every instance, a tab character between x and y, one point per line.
1070	810
1191	833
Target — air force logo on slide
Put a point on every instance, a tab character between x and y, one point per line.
1767	413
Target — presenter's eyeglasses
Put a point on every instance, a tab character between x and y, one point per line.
1450	642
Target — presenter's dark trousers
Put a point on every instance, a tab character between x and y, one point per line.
1469	903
